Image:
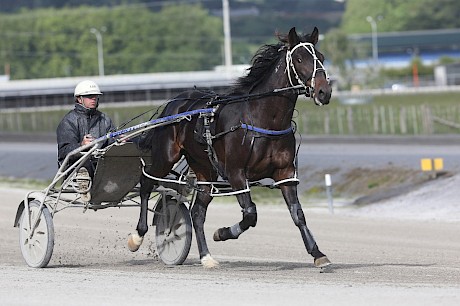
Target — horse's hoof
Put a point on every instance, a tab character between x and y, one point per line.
322	262
134	242
209	263
223	234
216	236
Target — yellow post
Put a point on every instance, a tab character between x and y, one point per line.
426	164
432	165
438	164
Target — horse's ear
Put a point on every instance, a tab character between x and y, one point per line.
293	38
314	36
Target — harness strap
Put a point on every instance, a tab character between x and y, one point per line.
211	152
254	129
232	129
266	131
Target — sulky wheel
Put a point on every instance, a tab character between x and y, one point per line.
38	248
173	231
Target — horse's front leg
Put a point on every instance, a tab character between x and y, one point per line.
135	240
198	214
292	201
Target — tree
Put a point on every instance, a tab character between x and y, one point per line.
339	53
440	14
400	15
337	48
58	42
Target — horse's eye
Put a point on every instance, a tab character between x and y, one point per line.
299	60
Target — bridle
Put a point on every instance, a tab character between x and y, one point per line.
317	66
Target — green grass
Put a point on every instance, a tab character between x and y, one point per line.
29	184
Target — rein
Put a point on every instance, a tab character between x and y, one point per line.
228	100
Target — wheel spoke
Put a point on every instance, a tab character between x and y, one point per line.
173	214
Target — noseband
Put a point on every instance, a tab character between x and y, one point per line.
317	66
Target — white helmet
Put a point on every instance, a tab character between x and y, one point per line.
87	88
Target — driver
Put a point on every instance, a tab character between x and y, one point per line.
81	126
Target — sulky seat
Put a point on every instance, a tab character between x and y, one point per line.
118	171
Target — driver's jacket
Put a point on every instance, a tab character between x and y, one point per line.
76	124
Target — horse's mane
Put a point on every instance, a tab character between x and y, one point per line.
262	64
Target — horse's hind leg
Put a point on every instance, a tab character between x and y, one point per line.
249	220
292	201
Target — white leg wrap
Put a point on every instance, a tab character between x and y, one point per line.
134	242
137	239
236	230
208	262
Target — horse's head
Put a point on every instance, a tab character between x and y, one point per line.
305	66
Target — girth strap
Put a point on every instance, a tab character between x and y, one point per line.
266	131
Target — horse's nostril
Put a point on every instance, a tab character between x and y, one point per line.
321	93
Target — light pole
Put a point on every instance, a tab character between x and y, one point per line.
375	52
100	52
227	35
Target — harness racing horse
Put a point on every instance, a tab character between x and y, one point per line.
250	137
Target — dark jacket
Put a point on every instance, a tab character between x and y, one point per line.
76	124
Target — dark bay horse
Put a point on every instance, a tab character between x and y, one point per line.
252	138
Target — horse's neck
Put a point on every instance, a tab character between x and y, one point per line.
278	106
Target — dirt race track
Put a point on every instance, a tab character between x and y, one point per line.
376	261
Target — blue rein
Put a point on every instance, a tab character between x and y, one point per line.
171	119
201	111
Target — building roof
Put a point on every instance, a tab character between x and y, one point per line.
129	82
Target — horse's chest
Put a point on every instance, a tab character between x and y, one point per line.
271	154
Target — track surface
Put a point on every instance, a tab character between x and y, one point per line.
375	261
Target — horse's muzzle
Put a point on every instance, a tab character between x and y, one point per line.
322	95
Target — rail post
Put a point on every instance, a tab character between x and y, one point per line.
328	181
